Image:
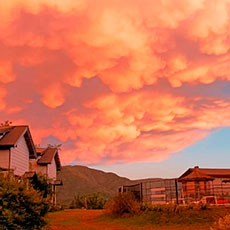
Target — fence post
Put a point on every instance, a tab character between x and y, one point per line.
177	201
141	194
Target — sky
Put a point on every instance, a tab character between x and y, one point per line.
137	87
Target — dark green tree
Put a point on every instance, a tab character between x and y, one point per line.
21	206
40	183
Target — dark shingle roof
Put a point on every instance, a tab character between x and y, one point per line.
47	155
30	175
58	183
40	151
11	134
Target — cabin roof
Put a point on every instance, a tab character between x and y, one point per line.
9	136
204	173
196	175
29	175
47	155
216	172
57	182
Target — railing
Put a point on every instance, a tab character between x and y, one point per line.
171	191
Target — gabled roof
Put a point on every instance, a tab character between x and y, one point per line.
11	134
197	173
29	175
57	183
216	172
47	155
40	151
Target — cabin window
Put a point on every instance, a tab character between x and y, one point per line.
3	133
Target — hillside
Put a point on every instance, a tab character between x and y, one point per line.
84	180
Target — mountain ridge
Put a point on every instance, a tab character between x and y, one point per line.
82	180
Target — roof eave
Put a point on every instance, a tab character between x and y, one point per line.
30	143
187	172
57	161
43	163
6	146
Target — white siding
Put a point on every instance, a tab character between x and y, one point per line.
37	168
52	170
20	157
4	159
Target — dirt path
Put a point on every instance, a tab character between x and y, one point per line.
80	220
88	220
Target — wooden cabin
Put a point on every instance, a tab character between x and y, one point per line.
19	156
48	163
16	149
198	183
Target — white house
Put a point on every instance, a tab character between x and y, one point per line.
19	156
16	149
48	163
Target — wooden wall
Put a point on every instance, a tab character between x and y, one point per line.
4	158
20	157
52	170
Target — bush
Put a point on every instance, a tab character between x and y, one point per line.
172	208
90	201
21	206
56	208
222	224
122	204
41	184
95	201
78	202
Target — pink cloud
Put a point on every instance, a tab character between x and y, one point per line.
3	93
87	73
130	128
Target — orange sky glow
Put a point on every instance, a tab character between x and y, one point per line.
115	80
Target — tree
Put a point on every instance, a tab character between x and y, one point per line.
21	206
41	184
6	123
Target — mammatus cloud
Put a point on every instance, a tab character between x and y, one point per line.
108	78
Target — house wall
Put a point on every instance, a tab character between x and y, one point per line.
52	170
20	157
42	169
4	159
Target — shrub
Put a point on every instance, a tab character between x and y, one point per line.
95	201
41	184
56	208
122	204
90	201
172	208
78	202
222	224
21	206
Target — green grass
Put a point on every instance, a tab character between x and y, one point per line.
70	222
156	218
61	219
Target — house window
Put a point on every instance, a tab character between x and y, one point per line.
3	133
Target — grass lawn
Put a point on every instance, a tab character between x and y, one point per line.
96	220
